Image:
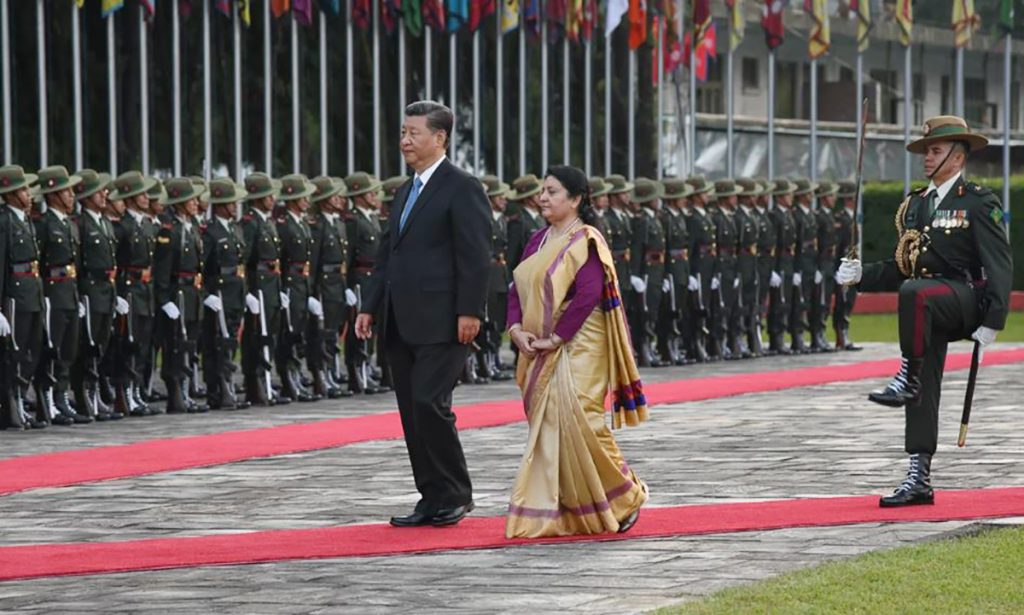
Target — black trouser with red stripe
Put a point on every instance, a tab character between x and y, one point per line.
932	313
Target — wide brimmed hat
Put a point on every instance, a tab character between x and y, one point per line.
494	186
295	186
326	187
766	187
847	189
92	182
947	128
598	187
804	186
749	187
675	188
157	194
726	188
13	177
618	183
55	179
129	184
525	187
782	187
181	190
826	188
645	190
260	185
224	190
362	182
392	184
700	184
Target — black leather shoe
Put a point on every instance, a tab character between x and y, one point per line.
905	387
451	516
916	488
416	519
629	521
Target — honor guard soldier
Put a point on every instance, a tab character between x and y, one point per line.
177	284
726	293
223	267
647	270
806	276
297	303
620	229
825	195
136	244
784	278
59	250
364	232
524	220
330	267
22	292
845	217
493	326
263	280
702	263
953	269
767	240
674	342
599	190
97	283
747	320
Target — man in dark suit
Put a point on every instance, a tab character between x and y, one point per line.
429	285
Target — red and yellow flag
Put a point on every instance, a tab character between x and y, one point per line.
821	34
905	20
965	22
280	7
637	23
737	25
862	9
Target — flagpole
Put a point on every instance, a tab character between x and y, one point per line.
631	115
607	103
350	115
522	98
401	87
543	94
176	81
476	101
907	111
76	60
692	145
566	94
5	57
236	22
771	114
111	90
499	90
296	127
207	103
730	154
959	101
1007	79
41	68
144	89
268	100
322	18
659	133
376	89
428	59
813	171
453	84
588	105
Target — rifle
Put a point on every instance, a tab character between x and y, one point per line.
364	346
94	351
14	368
185	353
265	343
50	355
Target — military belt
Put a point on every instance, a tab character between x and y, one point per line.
29	269
268	266
726	250
236	271
681	254
333	268
621	255
654	257
749	250
188	278
142	274
101	275
298	268
61	274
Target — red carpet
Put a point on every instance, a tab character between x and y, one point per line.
479	533
166	455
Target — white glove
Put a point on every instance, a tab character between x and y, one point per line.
81	310
171	310
638	284
849	272
818	277
694	285
797	278
314	307
984	335
252	303
351	299
5	327
214	303
121	306
666	286
285	301
736	283
776	280
715	284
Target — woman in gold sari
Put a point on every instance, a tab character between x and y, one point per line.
567	320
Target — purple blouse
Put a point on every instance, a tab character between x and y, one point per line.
583	295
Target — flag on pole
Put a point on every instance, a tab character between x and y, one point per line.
79	3
821	36
109	6
573	19
280	7
771	21
672	42
531	16
390	14
150	6
737	25
223	7
614	10
433	14
905	20
303	12
458	14
479	10
590	17
412	13
185	8
509	15
361	13
332	6
704	39
554	12
1006	16
965	22
637	23
862	8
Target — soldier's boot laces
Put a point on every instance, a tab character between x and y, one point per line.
904	388
916	488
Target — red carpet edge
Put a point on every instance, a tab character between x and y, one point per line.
34	561
74	467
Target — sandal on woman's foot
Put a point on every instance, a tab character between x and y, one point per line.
629	521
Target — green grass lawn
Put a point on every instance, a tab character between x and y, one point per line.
883	328
976	574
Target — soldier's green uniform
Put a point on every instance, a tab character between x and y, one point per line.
648	245
806	265
620	233
674	320
59	249
747	248
524	222
600	188
177	285
767	242
725	300
844	218
783	294
223	267
821	306
22	292
702	232
493	326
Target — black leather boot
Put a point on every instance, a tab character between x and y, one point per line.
60	399
175	398
778	344
904	388
916	488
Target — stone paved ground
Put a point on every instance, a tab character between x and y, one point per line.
816	441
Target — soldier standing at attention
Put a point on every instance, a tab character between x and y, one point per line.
845	217
806	276
647	270
767	241
674	323
725	284
599	199
620	230
702	263
821	305
493	327
747	242
953	269
526	220
785	282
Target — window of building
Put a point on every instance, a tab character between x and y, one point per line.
710	96
751	76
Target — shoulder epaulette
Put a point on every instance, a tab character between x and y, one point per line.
978	189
